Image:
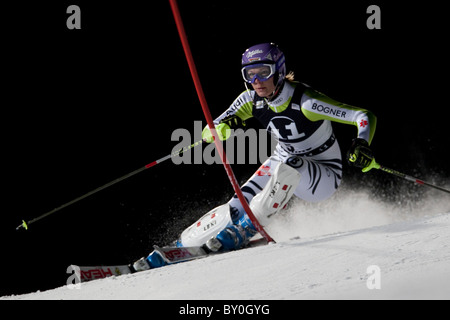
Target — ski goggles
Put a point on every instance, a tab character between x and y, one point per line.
262	72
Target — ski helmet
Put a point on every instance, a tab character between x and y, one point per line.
267	56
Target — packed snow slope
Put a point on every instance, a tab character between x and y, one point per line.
329	252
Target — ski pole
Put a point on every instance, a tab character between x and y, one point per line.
375	165
109	184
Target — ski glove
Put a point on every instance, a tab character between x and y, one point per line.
223	131
224	128
360	155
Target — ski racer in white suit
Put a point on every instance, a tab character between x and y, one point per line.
307	160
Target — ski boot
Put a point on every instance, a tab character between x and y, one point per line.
154	260
233	237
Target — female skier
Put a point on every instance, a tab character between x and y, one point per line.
306	162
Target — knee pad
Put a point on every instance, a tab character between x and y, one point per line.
206	227
275	194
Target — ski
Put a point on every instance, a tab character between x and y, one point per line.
170	255
101	272
173	255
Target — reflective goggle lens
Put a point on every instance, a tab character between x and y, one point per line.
260	72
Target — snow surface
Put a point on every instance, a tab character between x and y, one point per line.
323	251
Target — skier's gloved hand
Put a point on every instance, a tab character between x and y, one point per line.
234	122
360	155
223	131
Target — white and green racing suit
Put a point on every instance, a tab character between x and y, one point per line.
299	117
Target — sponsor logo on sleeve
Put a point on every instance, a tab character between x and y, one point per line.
329	110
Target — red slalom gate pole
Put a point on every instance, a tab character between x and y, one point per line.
209	120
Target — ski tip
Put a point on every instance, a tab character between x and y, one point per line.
23	225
